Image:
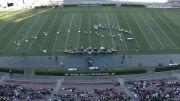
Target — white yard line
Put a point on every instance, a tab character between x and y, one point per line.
17	33
4	27
34	15
9	20
110	32
69	32
100	32
7	16
131	30
57	35
27	32
168	25
48	32
172	19
162	45
143	33
6	35
2	37
122	35
176	16
79	32
89	32
11	15
37	33
163	31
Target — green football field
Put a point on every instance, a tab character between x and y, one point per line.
58	29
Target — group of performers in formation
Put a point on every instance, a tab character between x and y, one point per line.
112	27
101	50
91	51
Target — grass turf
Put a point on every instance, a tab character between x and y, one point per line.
154	30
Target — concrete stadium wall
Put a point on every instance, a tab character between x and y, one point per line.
34	3
145	1
118	2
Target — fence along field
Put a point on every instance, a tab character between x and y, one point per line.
51	31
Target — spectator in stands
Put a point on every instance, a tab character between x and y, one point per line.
158	90
15	92
109	94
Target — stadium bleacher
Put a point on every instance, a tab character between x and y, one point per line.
92	92
11	90
111	88
155	90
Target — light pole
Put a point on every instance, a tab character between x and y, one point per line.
23	1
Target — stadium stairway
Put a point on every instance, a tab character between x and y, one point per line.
6	76
122	83
57	88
